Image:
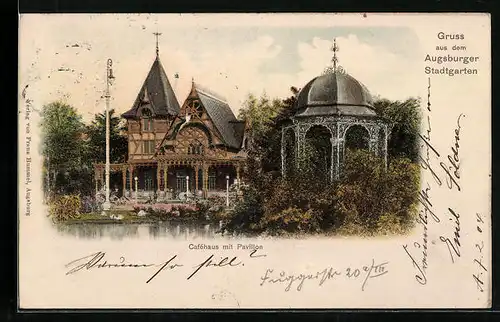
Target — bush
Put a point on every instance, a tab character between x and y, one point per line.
247	213
292	220
378	200
89	205
65	207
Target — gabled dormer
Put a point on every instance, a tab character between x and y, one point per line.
205	124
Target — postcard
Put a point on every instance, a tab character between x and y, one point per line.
254	161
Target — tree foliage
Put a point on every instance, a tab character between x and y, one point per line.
62	130
406	119
70	147
96	134
62	136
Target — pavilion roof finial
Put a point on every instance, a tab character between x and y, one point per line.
157	34
334	68
335	60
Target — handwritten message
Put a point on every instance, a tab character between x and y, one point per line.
99	260
444	171
296	281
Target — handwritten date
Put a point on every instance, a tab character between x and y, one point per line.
298	280
479	257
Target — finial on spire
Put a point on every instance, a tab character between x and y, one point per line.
334	48
334	68
157	34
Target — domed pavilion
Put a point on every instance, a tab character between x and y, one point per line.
340	109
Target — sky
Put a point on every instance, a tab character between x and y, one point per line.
63	57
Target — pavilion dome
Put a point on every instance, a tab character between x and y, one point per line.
334	93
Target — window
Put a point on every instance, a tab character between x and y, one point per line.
195	148
147	125
211	181
149	147
181	181
147	120
194	108
148	181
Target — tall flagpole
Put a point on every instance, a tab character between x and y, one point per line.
109	77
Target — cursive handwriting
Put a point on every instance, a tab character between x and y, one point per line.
425	200
478	258
329	273
426	163
452	169
210	262
98	260
420	276
454	244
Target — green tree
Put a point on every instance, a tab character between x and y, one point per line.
96	139
406	118
265	117
62	147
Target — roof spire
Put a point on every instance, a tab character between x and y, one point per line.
157	34
334	48
334	68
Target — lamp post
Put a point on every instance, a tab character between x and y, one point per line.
227	191
187	187
109	79
136	179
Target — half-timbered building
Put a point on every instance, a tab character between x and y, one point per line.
174	149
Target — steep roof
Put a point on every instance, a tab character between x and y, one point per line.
230	128
157	91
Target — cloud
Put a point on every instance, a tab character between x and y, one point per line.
383	72
56	69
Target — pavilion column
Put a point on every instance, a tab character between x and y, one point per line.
300	134
238	173
339	157
205	180
131	179
372	144
165	176
196	168
334	166
124	180
158	177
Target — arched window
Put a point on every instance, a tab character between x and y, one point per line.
147	120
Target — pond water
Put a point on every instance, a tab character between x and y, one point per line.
177	230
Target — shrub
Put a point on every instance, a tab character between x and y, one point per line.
65	207
380	201
89	205
247	213
292	220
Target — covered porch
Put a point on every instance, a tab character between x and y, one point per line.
169	180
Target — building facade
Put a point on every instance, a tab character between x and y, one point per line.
173	149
